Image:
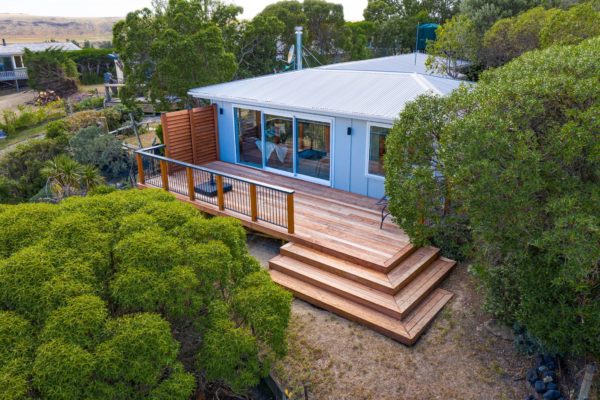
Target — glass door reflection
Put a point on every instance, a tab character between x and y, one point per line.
313	149
249	137
279	143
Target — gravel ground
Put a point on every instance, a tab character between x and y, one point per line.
9	100
457	358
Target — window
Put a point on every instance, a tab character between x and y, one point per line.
18	61
377	135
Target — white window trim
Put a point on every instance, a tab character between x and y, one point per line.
367	147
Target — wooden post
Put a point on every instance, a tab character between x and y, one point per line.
290	212
190	180
253	203
164	174
140	166
220	194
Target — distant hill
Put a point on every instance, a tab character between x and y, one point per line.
18	28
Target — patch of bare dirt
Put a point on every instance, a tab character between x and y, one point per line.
457	358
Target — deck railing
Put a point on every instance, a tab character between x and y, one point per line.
257	200
13	75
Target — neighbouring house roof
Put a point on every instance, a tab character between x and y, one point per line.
376	96
19	48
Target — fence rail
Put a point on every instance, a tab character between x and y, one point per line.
13	75
257	200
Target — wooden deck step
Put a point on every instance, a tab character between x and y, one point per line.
389	283
411	295
343	287
412	265
407	331
347	269
397	306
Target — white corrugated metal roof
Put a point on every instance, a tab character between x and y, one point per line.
19	48
399	63
368	95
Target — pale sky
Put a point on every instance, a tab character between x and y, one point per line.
353	9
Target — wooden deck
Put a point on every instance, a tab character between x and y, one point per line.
339	259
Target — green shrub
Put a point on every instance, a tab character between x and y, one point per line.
230	353
139	349
56	128
21	277
138	289
75	269
23	225
94	147
16	342
151	249
89	103
28	116
80	322
519	160
62	371
21	167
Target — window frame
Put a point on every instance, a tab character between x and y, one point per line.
20	57
368	148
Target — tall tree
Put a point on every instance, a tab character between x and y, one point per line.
255	46
168	50
456	40
396	21
325	28
484	13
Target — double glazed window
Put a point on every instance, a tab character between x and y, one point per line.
377	135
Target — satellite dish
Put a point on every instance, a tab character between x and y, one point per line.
290	56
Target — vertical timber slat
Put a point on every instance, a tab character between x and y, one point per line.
220	194
193	136
140	166
290	212
190	182
253	203
164	174
216	123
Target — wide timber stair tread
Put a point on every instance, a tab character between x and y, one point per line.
406	331
357	292
367	292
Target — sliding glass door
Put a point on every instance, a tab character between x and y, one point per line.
249	137
279	143
313	147
295	146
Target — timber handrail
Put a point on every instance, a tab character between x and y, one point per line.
145	150
257	200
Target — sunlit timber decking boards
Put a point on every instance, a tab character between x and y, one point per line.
337	257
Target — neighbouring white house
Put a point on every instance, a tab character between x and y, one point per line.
12	66
325	125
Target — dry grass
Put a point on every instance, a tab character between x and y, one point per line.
332	358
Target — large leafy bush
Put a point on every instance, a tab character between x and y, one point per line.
131	295
514	162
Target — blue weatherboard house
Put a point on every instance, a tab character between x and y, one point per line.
325	125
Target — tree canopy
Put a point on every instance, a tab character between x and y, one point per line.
513	162
131	295
168	50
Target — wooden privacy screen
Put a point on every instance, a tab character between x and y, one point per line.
191	136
